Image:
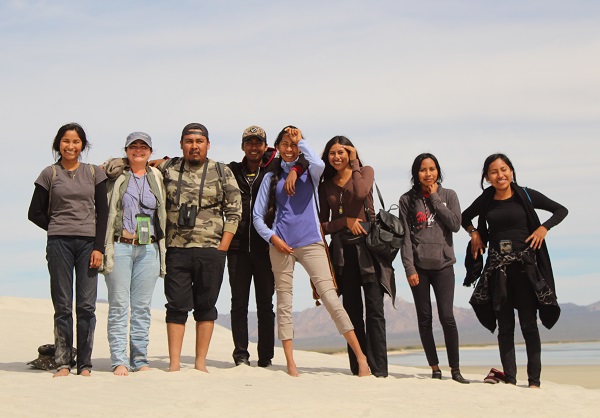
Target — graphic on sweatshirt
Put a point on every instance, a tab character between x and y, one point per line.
424	219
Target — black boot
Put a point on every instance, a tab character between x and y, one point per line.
456	376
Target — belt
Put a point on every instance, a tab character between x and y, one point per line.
132	241
516	245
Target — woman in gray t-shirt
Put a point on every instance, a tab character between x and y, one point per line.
69	201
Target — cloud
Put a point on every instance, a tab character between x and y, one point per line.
461	79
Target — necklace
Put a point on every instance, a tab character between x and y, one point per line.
73	173
342	182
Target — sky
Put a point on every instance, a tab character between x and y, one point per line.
459	78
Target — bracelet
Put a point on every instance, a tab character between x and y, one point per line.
472	230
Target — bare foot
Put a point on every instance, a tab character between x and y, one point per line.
200	365
533	387
363	368
144	369
85	373
121	370
62	373
292	370
174	368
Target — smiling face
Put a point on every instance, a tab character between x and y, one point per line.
254	148
70	146
138	152
499	175
195	148
428	173
287	149
338	157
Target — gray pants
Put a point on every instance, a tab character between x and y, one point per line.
314	260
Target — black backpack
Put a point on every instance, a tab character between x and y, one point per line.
385	237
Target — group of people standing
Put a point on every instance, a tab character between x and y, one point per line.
183	218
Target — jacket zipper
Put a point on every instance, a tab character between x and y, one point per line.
251	187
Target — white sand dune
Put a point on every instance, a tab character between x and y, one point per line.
325	388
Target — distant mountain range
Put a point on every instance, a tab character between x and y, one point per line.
314	329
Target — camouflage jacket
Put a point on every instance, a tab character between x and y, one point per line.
218	202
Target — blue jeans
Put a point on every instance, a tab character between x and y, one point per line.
65	255
130	285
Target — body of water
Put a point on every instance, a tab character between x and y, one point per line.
563	354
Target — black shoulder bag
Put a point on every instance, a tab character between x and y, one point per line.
385	236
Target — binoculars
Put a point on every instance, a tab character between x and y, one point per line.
187	215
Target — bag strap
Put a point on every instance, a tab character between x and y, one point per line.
529	197
221	171
379	194
367	211
51	186
316	295
178	196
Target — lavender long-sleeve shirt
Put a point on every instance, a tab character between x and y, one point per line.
296	217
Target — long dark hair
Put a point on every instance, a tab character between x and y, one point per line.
270	214
489	160
416	185
416	167
329	170
61	132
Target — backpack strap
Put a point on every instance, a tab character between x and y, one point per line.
51	186
528	197
93	172
221	171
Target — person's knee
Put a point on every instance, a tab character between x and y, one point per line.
283	285
448	321
425	324
238	308
329	297
85	310
264	305
424	318
529	327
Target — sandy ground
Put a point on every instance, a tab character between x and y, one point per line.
325	387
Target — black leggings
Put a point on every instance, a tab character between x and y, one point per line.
520	295
442	282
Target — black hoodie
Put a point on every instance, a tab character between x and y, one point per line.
246	238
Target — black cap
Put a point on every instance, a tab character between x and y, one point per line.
194	127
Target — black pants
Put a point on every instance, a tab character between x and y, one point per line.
442	282
520	296
193	281
371	335
65	255
242	266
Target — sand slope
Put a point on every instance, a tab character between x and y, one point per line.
325	387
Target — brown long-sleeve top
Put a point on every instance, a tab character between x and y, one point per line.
350	197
